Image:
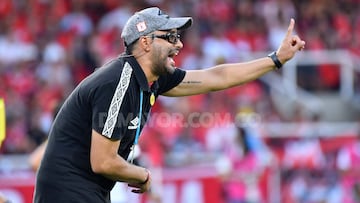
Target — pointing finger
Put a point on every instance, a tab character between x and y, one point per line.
290	28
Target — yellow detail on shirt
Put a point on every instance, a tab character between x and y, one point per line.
2	121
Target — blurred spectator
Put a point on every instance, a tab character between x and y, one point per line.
116	18
349	156
305	153
241	169
77	20
305	150
277	14
348	163
186	150
217	46
54	70
14	49
193	56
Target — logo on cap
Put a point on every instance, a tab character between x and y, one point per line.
141	26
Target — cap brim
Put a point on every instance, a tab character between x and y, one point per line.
177	23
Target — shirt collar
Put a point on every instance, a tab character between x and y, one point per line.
139	73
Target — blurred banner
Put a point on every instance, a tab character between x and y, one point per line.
19	188
182	185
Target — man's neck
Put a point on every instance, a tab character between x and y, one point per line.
146	65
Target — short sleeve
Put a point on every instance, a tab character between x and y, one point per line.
170	81
105	119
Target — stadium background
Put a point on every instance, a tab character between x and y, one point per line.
300	124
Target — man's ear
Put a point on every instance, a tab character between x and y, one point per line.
144	43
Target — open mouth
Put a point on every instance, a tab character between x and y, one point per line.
171	58
172	54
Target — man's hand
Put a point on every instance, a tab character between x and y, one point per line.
290	44
142	187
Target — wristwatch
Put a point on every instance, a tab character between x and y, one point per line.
275	59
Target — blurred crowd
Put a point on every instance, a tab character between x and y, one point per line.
48	46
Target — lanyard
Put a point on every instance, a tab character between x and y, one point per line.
137	135
140	116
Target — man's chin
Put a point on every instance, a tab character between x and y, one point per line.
170	69
165	70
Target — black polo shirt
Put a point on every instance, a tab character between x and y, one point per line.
107	101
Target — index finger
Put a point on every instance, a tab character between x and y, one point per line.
290	28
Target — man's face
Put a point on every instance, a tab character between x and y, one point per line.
166	46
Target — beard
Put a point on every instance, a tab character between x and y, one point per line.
163	64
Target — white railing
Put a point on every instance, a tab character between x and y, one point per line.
344	58
284	88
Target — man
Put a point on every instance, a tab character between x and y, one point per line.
100	122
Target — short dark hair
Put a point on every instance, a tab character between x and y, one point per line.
130	48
